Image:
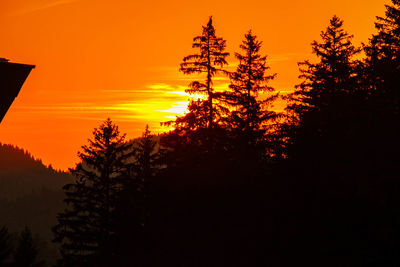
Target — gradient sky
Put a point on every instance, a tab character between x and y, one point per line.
120	59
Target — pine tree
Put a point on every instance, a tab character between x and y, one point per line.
328	148
334	74
249	114
147	156
326	99
132	210
26	254
146	164
209	60
86	229
5	245
382	79
383	62
386	43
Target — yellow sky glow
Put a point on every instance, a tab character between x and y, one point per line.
120	59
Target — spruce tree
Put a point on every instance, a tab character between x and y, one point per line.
382	80
334	74
386	43
327	150
26	254
325	100
383	64
209	60
147	156
132	212
249	115
146	163
86	228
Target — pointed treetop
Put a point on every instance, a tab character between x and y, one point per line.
209	29
209	24
336	21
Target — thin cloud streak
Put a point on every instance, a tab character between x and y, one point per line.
44	6
157	102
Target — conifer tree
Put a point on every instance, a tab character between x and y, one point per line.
249	114
386	43
382	79
132	210
147	156
328	147
146	164
5	245
26	254
86	229
325	101
334	74
209	60
383	61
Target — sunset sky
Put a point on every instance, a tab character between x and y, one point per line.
120	59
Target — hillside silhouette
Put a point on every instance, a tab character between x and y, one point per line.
21	173
30	195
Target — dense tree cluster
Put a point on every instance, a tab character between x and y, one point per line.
237	184
108	189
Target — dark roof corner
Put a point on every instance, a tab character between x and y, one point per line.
12	77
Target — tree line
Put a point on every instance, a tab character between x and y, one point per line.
236	183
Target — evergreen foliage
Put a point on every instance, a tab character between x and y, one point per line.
87	228
382	76
250	118
324	103
132	212
209	60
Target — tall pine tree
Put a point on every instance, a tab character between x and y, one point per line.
327	151
325	100
132	212
86	229
209	60
249	115
382	74
384	47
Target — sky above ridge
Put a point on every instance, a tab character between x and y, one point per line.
120	59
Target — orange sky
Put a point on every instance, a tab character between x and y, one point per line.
120	59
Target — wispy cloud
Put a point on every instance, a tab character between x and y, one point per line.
154	103
43	6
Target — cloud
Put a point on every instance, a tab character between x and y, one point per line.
154	103
46	5
286	57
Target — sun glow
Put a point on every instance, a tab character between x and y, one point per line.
121	60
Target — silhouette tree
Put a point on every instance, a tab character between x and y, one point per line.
249	115
382	78
196	134
147	156
328	92
382	74
383	52
5	245
26	254
331	156
210	60
86	229
132	210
